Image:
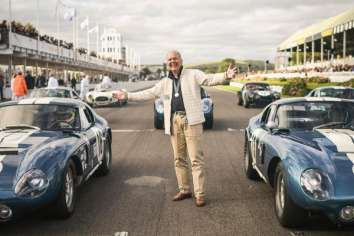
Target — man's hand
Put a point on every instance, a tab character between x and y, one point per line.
120	95
231	71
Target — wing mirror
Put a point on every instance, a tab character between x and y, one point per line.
271	125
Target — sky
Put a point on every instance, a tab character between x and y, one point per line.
202	30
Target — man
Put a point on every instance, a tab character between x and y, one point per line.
40	83
52	82
84	87
29	82
19	87
1	86
183	119
73	83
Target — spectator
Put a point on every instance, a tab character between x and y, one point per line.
61	81
84	87
19	87
52	82
1	87
73	83
29	82
40	83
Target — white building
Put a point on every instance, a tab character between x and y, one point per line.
111	42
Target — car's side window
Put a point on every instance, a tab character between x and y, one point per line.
272	112
88	115
265	114
85	124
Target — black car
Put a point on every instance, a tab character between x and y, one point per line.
256	93
207	107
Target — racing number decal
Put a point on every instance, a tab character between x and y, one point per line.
99	145
257	148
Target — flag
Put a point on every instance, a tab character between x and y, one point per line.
69	13
94	29
84	24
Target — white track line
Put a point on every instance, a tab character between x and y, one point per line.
132	130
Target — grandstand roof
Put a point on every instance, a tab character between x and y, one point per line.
323	28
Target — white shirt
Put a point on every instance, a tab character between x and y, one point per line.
106	83
52	82
84	87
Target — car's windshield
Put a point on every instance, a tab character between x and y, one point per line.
256	86
46	117
61	93
346	93
309	115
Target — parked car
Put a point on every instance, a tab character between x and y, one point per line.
256	93
333	91
207	107
59	92
303	147
48	147
103	97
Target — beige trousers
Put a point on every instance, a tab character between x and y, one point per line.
188	139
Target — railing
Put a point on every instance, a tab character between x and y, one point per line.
43	48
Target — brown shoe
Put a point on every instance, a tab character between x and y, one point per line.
200	201
181	196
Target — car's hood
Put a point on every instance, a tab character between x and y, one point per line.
335	154
21	150
99	94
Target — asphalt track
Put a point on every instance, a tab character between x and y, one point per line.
136	196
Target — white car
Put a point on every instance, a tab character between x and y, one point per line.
59	92
102	97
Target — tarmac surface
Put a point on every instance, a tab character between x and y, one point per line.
135	198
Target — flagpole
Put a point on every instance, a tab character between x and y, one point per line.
98	29
88	39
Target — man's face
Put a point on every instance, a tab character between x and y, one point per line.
174	61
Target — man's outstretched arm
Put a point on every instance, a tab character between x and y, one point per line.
211	80
146	94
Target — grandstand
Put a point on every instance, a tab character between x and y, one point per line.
327	44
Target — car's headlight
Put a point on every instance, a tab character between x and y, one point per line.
159	106
207	104
316	184
32	184
276	95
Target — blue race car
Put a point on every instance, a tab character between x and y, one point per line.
303	147
48	147
207	107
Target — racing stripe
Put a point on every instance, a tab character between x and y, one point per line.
343	139
12	140
1	165
27	101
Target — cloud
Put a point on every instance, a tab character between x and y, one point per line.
203	30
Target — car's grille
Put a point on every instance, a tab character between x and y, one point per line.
101	99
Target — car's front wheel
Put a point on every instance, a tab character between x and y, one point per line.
65	203
239	100
250	172
287	212
158	124
209	121
106	164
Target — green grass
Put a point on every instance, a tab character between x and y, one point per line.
228	88
310	86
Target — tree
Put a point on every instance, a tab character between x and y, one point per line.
224	64
145	72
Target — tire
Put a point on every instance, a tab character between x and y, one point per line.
209	122
157	123
239	101
287	212
106	164
64	205
250	172
246	103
